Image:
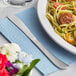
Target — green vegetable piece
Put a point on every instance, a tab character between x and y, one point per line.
62	31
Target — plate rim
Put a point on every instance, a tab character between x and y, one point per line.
41	11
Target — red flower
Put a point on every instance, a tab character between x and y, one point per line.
14	71
3	60
4	72
9	64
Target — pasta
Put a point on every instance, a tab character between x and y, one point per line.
62	16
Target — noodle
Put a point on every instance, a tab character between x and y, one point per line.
53	14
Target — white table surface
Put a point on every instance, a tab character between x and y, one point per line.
71	71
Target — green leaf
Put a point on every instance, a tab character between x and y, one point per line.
17	61
32	65
25	67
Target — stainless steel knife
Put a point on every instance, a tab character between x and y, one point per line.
29	34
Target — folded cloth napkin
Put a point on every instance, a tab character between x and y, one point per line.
13	34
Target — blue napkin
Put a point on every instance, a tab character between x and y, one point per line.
13	34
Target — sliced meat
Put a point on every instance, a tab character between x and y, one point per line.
66	18
56	4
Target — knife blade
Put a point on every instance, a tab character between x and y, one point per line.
18	22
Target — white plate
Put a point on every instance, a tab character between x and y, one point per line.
41	9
